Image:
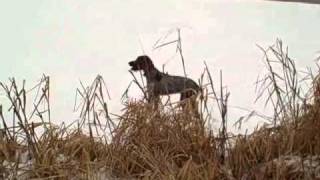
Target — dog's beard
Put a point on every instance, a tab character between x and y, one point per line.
134	68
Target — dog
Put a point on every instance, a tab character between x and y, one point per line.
159	83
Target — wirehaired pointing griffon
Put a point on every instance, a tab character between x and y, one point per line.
159	83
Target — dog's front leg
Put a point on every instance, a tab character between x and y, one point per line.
153	99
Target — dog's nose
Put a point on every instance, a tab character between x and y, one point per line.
131	63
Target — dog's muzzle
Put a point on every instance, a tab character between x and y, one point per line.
133	65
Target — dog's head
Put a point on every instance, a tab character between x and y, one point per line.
141	63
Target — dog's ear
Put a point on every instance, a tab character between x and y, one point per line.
148	62
158	76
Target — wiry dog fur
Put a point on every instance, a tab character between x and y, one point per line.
159	83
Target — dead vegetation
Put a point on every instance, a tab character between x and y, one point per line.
166	143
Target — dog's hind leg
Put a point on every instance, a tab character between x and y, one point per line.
189	102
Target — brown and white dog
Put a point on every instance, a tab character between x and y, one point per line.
159	83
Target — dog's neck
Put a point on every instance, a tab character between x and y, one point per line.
152	74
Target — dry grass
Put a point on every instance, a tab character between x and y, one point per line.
163	143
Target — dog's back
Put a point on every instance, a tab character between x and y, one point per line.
173	84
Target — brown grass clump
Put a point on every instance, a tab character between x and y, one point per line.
158	145
294	133
167	143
